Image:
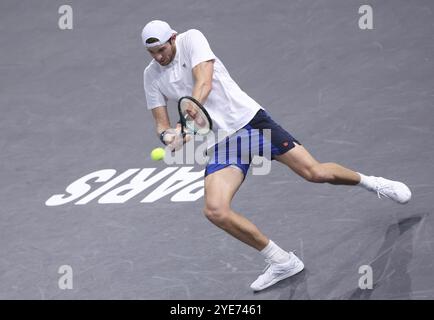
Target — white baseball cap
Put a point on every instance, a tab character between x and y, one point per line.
159	30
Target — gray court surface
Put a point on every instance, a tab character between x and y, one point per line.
72	104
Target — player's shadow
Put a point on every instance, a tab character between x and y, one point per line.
390	265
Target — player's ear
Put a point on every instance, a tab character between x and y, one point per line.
172	38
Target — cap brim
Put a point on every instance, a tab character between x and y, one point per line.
160	42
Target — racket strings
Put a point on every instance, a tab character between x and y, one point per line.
194	117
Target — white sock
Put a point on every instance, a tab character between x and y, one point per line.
366	182
275	253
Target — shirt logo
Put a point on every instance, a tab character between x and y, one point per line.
184	65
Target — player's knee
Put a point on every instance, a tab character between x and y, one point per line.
317	174
216	213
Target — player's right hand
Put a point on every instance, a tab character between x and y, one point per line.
173	138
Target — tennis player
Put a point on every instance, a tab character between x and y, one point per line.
184	64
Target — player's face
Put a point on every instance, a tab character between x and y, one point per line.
164	54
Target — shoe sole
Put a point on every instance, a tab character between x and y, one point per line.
298	269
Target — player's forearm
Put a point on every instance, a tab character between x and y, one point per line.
203	74
161	127
201	91
161	118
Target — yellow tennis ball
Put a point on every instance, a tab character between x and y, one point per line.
158	154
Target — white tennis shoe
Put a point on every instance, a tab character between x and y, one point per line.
394	190
276	272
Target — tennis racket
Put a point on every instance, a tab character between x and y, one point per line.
193	117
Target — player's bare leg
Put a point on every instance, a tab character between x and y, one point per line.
302	162
220	188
